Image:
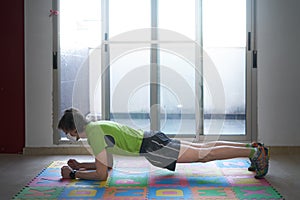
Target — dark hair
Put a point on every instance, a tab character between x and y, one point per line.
72	119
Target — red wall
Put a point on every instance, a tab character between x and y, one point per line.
12	95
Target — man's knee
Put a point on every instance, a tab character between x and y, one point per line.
206	155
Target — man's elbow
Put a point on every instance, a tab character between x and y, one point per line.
102	176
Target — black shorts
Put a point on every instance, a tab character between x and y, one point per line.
160	150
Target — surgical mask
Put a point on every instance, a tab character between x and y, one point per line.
71	138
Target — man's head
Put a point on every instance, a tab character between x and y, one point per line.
72	122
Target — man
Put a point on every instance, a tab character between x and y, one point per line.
107	137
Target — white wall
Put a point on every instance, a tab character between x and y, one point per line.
278	46
38	73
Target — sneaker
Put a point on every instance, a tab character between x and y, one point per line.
252	166
261	162
256	144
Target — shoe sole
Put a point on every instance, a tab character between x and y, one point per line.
251	169
267	153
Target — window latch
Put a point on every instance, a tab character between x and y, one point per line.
254	56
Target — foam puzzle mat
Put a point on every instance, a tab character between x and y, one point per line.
226	179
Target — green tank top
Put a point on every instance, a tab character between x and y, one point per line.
114	137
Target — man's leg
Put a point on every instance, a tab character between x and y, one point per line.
259	156
195	154
226	143
215	143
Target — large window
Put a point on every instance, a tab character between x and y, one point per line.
181	67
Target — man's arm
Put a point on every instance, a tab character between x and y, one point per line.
100	173
74	164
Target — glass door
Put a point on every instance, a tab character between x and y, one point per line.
202	97
182	67
225	30
187	74
152	65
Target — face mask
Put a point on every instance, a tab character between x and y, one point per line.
71	138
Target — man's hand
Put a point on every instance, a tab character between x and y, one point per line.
74	164
65	171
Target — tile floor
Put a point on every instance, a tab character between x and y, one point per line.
17	170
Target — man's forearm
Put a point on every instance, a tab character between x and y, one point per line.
88	165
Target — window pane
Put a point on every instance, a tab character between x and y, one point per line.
224	40
80	23
177	94
80	30
178	16
95	90
128	15
130	86
177	74
224	23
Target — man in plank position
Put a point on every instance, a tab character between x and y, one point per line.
106	138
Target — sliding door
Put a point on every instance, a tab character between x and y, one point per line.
226	36
181	67
152	70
